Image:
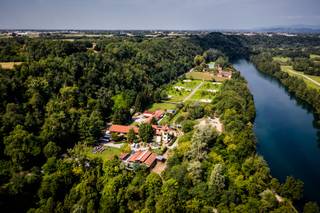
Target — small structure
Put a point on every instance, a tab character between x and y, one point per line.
224	74
145	157
121	129
163	133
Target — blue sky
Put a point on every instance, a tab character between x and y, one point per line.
157	14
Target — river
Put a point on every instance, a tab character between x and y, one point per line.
284	128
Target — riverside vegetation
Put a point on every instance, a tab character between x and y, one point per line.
63	94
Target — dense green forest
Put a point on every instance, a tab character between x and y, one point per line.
63	94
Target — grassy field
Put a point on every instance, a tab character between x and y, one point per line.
107	154
292	72
200	76
281	59
206	91
161	106
189	85
314	56
9	65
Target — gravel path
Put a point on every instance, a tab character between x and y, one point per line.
192	93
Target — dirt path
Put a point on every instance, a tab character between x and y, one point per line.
306	77
193	92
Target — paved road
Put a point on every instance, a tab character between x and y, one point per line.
304	76
192	93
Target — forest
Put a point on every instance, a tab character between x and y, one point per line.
61	97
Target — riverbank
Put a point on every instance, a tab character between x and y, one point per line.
286	136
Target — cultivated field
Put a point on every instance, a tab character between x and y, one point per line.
311	80
206	76
9	65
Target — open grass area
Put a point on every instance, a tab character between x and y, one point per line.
161	106
206	91
9	65
189	84
281	59
315	57
305	77
206	76
107	154
211	85
176	96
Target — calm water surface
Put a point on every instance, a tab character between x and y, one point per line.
284	128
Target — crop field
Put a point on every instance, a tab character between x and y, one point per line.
189	84
306	78
206	76
315	57
281	59
9	65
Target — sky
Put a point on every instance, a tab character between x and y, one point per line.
157	14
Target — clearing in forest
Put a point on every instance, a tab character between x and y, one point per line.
310	80
9	65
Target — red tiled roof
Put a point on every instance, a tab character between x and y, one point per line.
123	155
135	156
151	159
147	113
157	114
144	156
123	129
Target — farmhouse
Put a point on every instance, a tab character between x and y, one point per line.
146	116
224	74
162	133
121	129
144	157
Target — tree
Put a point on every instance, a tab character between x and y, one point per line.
90	127
212	55
146	132
51	150
195	171
202	137
21	146
217	179
121	111
125	148
222	61
131	137
187	125
198	59
292	188
311	207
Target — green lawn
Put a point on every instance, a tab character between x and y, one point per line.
292	72
188	85
203	92
281	59
200	76
210	85
107	154
9	65
314	56
161	106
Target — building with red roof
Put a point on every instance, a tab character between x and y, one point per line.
145	157
123	129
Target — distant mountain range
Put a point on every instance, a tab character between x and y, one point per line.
291	29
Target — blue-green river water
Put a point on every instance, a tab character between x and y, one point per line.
284	128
